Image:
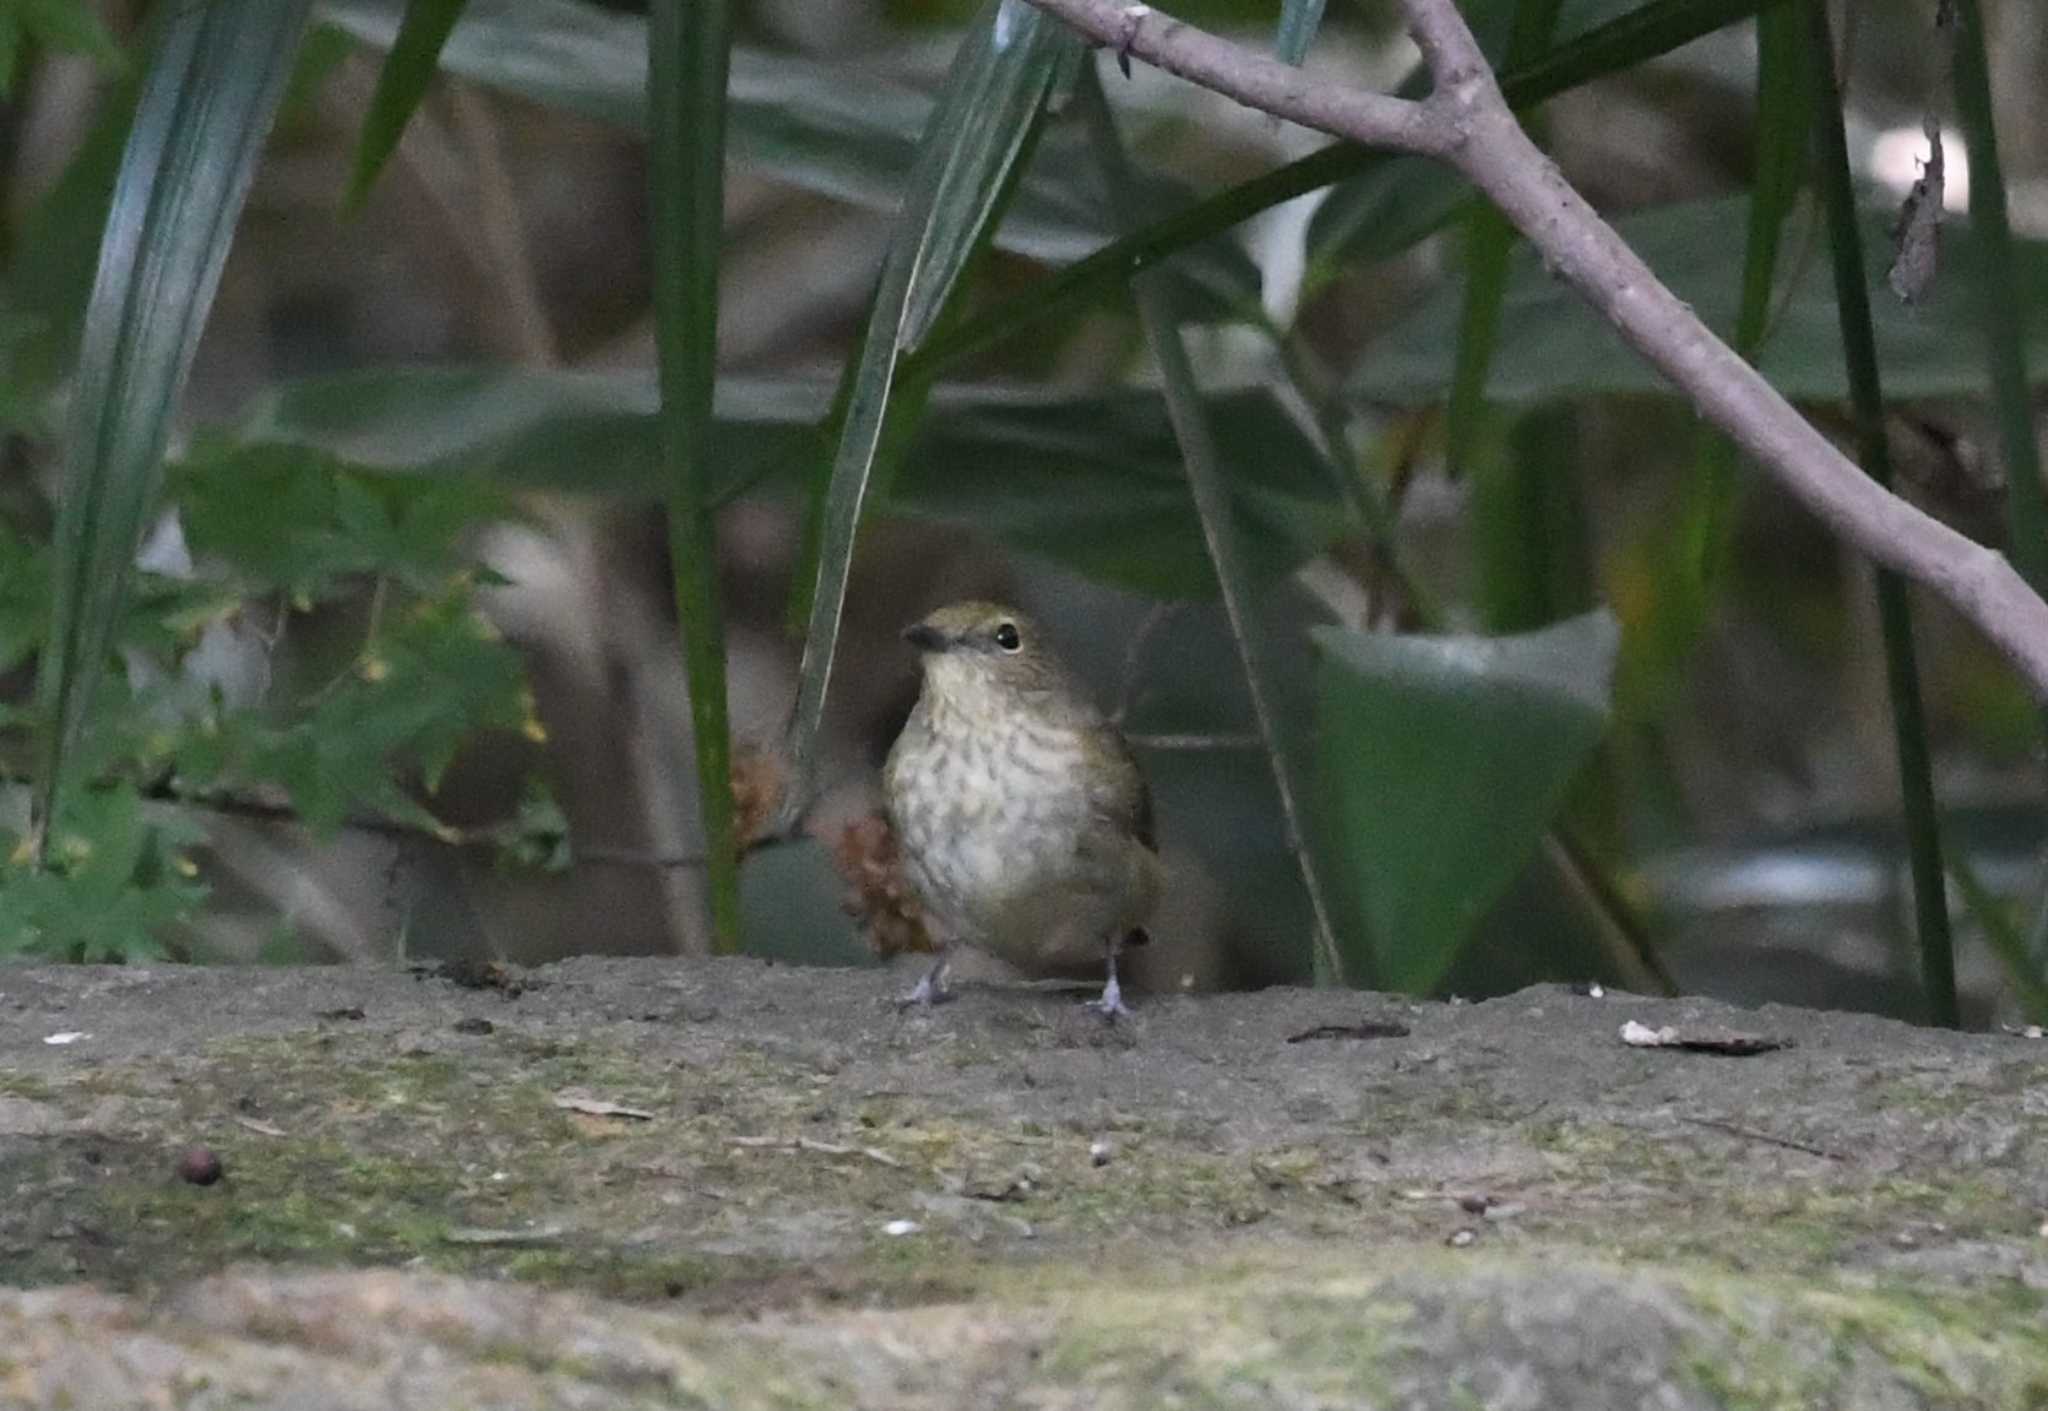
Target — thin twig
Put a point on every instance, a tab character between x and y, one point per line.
1715	1124
811	1144
1466	123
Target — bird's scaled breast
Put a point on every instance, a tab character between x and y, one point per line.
987	814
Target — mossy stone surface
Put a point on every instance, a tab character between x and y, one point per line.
813	1200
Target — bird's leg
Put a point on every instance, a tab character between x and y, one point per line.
931	989
1111	1004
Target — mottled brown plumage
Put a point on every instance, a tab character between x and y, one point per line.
1025	826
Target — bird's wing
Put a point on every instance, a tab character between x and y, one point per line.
1120	792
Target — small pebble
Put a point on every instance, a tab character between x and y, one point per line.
901	1227
1460	1238
1099	1152
1474	1204
474	1025
199	1166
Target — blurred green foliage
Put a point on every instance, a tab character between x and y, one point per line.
1000	389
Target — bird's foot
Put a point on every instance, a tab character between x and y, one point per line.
1111	1004
929	991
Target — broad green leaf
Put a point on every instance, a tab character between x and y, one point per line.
212	89
1445	760
837	130
401	84
991	104
1836	179
1092	480
1552	346
689	46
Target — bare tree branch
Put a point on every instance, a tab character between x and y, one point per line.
1466	123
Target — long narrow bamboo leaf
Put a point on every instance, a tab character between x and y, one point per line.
1653	650
1859	347
1489	241
2004	304
1208	484
1299	21
688	44
213	87
401	84
1780	164
1636	37
990	107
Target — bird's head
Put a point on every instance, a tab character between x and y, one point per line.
976	649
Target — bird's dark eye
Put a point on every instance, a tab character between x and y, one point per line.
1006	636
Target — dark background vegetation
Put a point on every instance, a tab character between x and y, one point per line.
401	676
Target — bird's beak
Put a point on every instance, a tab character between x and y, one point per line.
924	637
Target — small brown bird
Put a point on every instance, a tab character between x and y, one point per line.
1025	826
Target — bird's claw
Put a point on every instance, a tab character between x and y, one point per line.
1110	1005
923	996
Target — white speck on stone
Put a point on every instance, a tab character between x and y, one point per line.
1643	1036
1596	991
901	1227
500	1176
69	1036
1100	1152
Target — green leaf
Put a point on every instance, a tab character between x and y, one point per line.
2002	300
401	84
69	26
109	892
1552	346
1653	29
51	265
689	45
1387	196
212	89
1201	455
311	525
837	130
1299	20
1092	480
1659	637
1445	760
989	108
1529	530
1867	409
1489	240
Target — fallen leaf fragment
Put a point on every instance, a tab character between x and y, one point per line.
1732	1043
